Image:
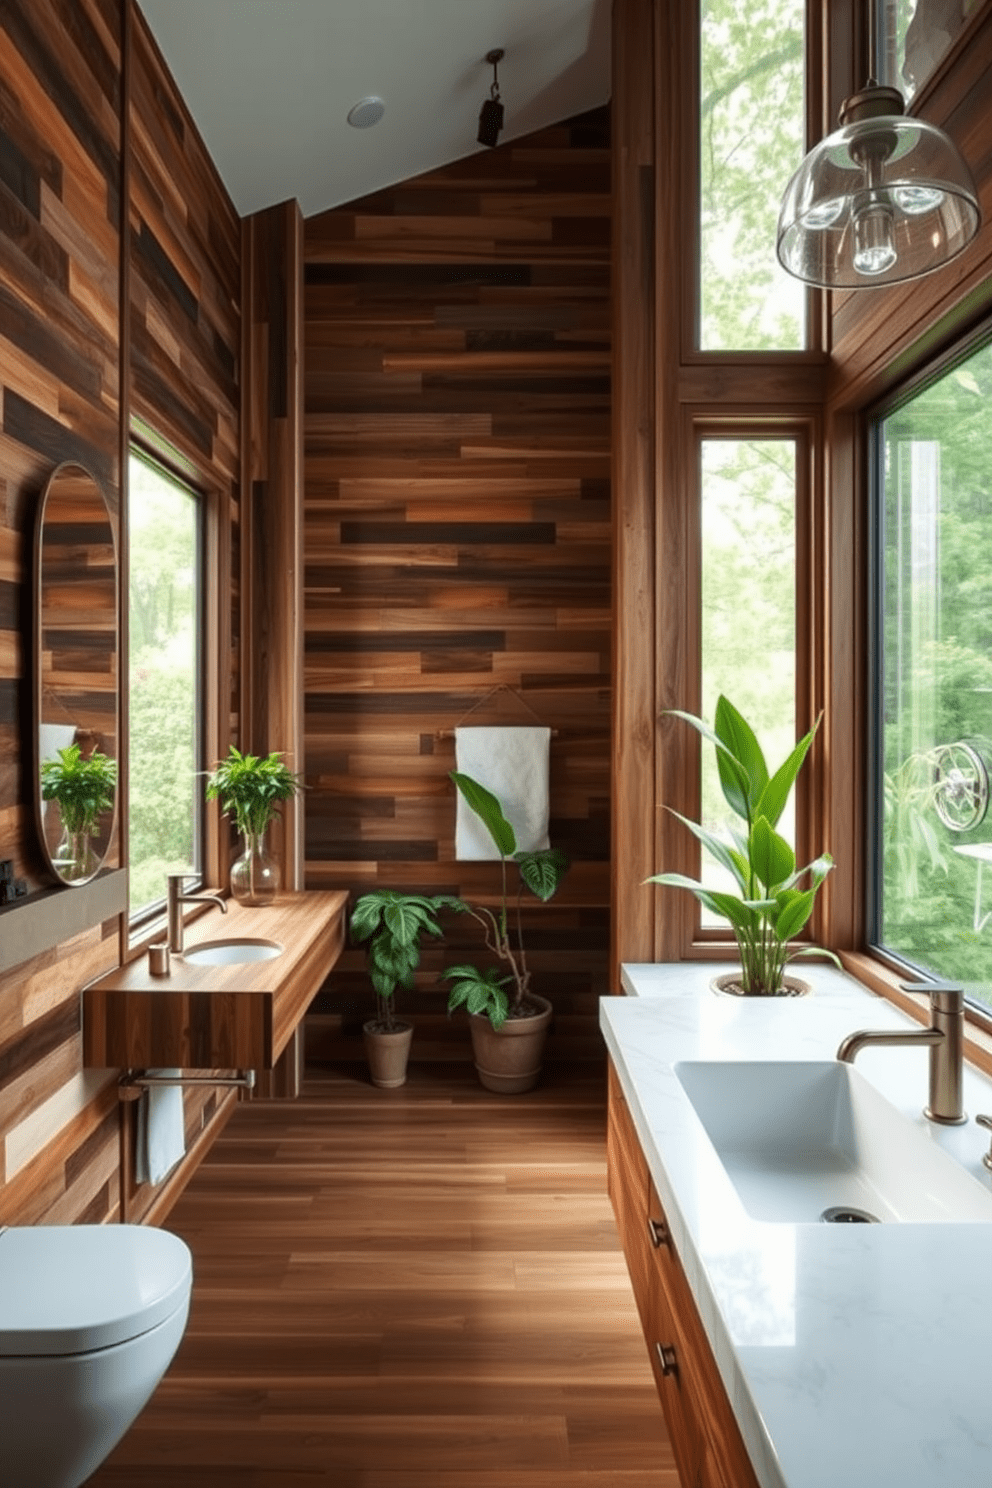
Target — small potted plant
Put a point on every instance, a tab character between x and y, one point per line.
84	787
251	790
775	898
509	1023
392	925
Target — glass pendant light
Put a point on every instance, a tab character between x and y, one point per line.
884	198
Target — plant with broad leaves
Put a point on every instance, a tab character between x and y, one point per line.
82	785
250	788
541	872
392	924
771	907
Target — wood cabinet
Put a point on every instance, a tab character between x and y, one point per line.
706	1441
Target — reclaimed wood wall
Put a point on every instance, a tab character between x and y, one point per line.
457	537
62	397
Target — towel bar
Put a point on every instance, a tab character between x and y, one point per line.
133	1083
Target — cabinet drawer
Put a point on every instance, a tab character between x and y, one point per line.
725	1462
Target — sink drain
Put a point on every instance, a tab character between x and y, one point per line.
845	1214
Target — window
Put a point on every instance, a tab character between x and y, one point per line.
751	140
748	644
164	750
932	902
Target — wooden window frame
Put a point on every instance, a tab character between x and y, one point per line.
683	930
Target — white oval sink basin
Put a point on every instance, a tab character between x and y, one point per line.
231	952
800	1139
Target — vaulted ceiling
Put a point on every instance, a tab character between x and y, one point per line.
270	84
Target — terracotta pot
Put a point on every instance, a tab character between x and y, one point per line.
730	986
509	1061
387	1053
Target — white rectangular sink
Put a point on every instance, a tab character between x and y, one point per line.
801	1139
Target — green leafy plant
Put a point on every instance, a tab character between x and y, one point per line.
250	788
83	787
771	907
541	872
392	924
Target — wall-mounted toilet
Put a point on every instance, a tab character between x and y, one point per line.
90	1317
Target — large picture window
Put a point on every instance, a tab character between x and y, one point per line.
933	880
164	753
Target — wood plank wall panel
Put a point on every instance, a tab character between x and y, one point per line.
61	111
457	536
272	621
60	197
184	241
185	245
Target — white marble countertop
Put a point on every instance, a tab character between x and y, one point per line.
853	1355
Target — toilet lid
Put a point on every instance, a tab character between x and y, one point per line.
68	1289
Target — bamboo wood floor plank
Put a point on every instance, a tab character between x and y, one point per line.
419	1288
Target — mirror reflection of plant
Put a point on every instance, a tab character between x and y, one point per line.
541	872
83	787
251	789
911	832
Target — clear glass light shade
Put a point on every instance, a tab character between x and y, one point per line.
880	200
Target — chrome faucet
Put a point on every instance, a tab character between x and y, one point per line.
174	898
945	1038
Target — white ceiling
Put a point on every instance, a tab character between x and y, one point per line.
270	83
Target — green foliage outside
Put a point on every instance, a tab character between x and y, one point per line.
751	141
748	608
163	699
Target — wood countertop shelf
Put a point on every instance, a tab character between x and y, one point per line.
218	1017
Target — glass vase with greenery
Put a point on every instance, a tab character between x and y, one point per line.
541	871
251	789
84	787
775	898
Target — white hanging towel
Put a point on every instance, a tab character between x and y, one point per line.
161	1140
512	763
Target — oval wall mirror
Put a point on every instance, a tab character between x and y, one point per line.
76	653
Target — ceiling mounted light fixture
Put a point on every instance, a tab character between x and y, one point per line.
884	198
491	117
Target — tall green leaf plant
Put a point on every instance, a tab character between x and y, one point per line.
392	924
541	872
775	898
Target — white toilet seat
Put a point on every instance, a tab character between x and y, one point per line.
72	1289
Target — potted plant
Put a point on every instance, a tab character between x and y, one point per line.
392	924
775	898
83	786
509	1027
251	789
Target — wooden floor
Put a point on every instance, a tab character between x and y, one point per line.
419	1288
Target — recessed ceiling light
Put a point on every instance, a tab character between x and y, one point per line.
366	112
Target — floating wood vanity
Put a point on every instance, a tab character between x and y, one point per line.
218	1017
706	1442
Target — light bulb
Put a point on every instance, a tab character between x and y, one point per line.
916	200
824	214
874	250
